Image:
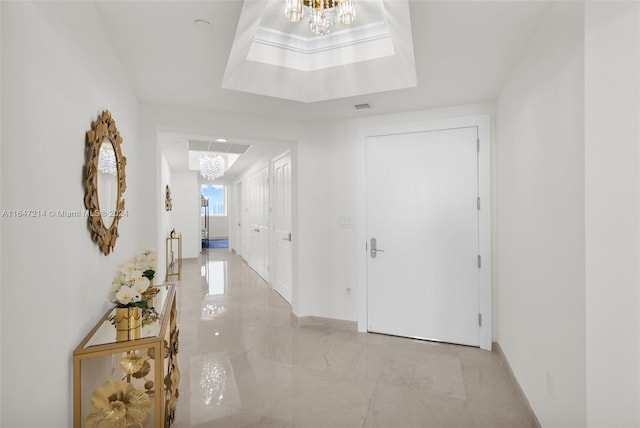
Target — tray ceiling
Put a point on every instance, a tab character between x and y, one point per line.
294	64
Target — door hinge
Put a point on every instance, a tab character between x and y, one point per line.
479	261
479	320
478	145
478	203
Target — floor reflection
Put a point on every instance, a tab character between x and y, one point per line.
212	383
213	379
211	309
216	280
215	274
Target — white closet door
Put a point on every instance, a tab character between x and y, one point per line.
281	272
259	222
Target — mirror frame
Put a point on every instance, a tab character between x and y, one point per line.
104	128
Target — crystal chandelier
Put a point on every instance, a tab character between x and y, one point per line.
323	13
212	167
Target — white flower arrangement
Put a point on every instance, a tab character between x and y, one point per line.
132	285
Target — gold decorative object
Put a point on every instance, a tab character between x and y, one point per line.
105	181
167	199
148	295
172	379
173	255
136	367
165	351
171	383
128	323
131	363
144	372
117	404
174	341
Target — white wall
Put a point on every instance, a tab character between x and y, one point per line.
612	52
327	253
1	205
219	224
163	228
540	219
185	193
568	223
59	72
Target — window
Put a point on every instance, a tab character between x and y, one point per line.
217	196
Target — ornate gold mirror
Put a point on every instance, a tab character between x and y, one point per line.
104	181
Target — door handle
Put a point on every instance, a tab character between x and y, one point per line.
374	248
256	230
288	238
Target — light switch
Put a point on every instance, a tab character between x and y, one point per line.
346	222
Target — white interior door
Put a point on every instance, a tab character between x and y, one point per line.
259	222
421	207
281	265
240	241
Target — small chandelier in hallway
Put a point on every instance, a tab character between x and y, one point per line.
212	167
323	13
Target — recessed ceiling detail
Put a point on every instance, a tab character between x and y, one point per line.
273	57
362	44
218	146
229	152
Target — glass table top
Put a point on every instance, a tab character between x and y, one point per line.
107	333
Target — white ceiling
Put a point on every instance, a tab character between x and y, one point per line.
463	51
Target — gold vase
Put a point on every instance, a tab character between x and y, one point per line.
128	323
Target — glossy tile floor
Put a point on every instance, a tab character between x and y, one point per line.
246	363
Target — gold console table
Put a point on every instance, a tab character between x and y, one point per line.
173	256
97	360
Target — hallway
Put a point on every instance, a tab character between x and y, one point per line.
246	363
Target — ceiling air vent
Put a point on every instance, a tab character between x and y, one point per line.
362	106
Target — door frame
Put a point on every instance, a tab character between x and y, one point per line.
482	122
258	193
239	218
273	253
